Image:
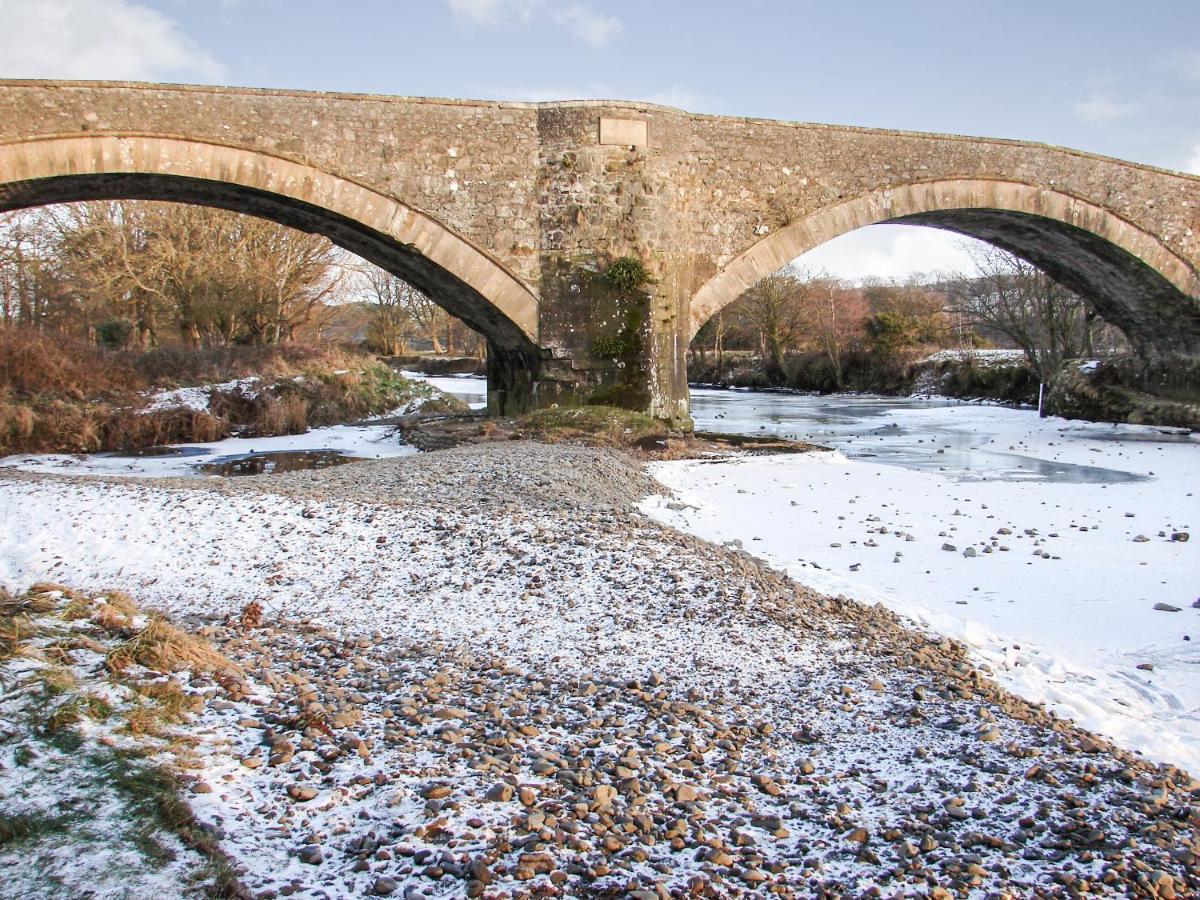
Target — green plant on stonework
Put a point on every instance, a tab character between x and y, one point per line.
627	273
612	347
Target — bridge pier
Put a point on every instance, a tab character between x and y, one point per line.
605	339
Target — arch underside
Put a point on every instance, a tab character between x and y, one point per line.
1158	317
450	271
1133	280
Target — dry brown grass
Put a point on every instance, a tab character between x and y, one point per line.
121	602
62	395
177	366
159	645
53	425
281	415
162	647
34	362
18	615
168	704
59	651
33	602
129	429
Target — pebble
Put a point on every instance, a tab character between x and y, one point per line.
311	854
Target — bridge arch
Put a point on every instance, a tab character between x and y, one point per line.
406	242
1134	280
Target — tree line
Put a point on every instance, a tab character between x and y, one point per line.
138	274
1004	301
141	274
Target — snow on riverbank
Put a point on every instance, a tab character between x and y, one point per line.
358	441
544	694
1053	583
197	397
470	389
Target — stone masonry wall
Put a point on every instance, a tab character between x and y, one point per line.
471	165
533	186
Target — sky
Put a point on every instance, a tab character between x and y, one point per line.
1106	76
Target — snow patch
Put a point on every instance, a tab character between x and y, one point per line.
1058	598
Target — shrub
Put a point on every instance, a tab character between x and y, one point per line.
1010	384
36	362
114	334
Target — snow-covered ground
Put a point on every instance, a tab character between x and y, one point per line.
471	389
487	640
358	441
1061	535
197	396
986	358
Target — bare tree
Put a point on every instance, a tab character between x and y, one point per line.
141	272
391	324
106	259
832	317
24	266
772	307
430	319
1014	298
284	277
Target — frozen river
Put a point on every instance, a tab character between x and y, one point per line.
880	429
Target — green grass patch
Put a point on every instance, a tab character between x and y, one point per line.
18	827
73	711
607	425
154	798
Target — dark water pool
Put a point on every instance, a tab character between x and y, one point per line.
268	463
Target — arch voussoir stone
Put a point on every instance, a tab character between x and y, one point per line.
1133	278
55	169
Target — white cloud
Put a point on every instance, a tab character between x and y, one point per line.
544	93
491	12
1193	163
679	97
593	28
1099	108
102	39
891	252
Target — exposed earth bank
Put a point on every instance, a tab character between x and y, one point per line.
480	672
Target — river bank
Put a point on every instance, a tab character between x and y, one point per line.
523	686
1001	376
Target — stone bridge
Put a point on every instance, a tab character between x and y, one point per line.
509	214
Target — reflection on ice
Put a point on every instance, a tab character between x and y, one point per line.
933	441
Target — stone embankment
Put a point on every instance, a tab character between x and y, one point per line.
479	672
